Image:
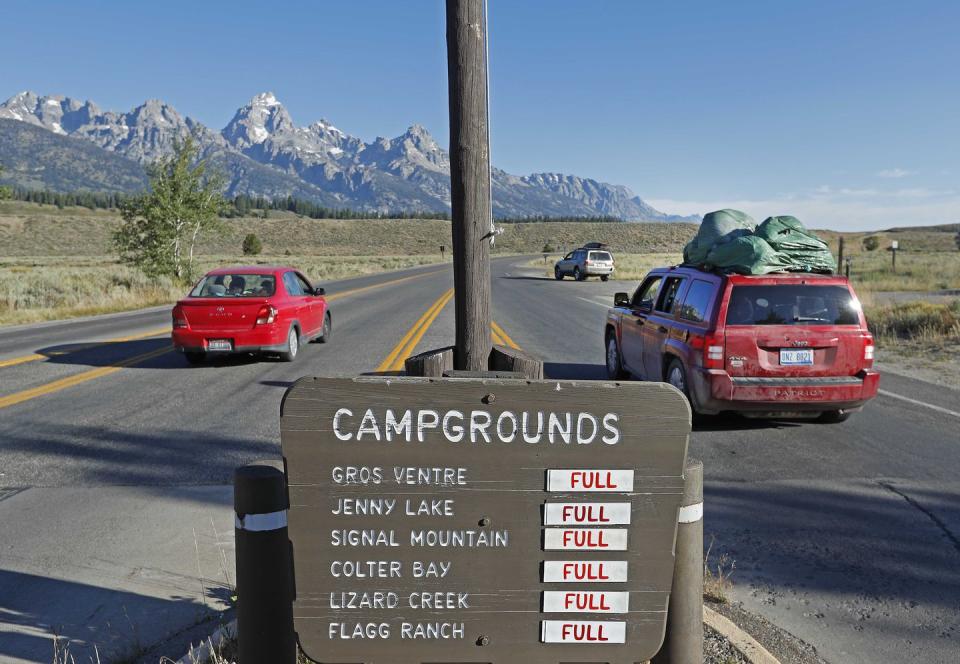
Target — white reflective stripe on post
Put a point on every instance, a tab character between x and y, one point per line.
690	513
261	522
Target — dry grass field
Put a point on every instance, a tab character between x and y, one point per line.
57	263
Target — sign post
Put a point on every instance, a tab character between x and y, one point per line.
490	521
894	245
470	202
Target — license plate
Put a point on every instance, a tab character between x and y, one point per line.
219	344
795	357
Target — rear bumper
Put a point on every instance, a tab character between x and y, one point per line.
266	340
714	390
596	270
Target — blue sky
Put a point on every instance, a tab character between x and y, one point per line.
842	113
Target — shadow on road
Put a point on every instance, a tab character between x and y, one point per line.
114	353
119	456
862	554
112	620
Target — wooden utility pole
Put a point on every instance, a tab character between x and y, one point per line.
470	180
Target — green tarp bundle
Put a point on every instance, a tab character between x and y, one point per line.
730	240
717	228
807	252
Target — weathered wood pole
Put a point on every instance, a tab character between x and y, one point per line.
469	181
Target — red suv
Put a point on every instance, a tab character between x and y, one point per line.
776	345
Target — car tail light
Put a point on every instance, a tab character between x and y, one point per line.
713	351
266	315
179	320
868	348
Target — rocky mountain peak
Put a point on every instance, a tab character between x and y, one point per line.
254	123
263	152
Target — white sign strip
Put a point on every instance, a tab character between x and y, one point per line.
585	539
585	601
589	480
261	522
690	513
583	631
598	514
580	571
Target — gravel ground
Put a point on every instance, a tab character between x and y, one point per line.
781	644
717	650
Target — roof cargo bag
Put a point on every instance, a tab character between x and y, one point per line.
806	251
715	229
748	254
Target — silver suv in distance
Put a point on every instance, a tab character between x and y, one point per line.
585	262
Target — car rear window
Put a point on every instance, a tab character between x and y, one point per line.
236	285
600	256
800	304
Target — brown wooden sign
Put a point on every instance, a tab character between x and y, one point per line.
453	520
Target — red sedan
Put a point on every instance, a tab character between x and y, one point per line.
257	309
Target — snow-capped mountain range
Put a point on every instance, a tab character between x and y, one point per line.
263	152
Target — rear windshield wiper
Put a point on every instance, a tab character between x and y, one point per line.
807	319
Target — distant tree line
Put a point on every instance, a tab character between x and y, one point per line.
246	206
87	199
243	205
541	218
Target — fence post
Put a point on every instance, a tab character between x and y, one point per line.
683	643
264	565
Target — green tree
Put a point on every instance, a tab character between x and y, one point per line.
161	228
5	192
871	243
251	245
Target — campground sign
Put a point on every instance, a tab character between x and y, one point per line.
453	520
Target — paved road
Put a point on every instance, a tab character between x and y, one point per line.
115	520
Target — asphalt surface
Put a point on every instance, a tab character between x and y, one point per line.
115	499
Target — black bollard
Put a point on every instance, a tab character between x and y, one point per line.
683	643
264	565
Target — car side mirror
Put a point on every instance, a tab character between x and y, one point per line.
319	291
621	300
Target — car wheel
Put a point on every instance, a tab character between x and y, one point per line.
327	329
615	370
677	376
293	345
834	416
577	274
557	274
604	277
195	357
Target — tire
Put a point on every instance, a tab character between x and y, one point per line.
293	345
195	357
327	329
677	376
557	274
604	277
577	274
615	370
834	416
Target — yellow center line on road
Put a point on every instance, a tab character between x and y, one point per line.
395	360
498	332
70	381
